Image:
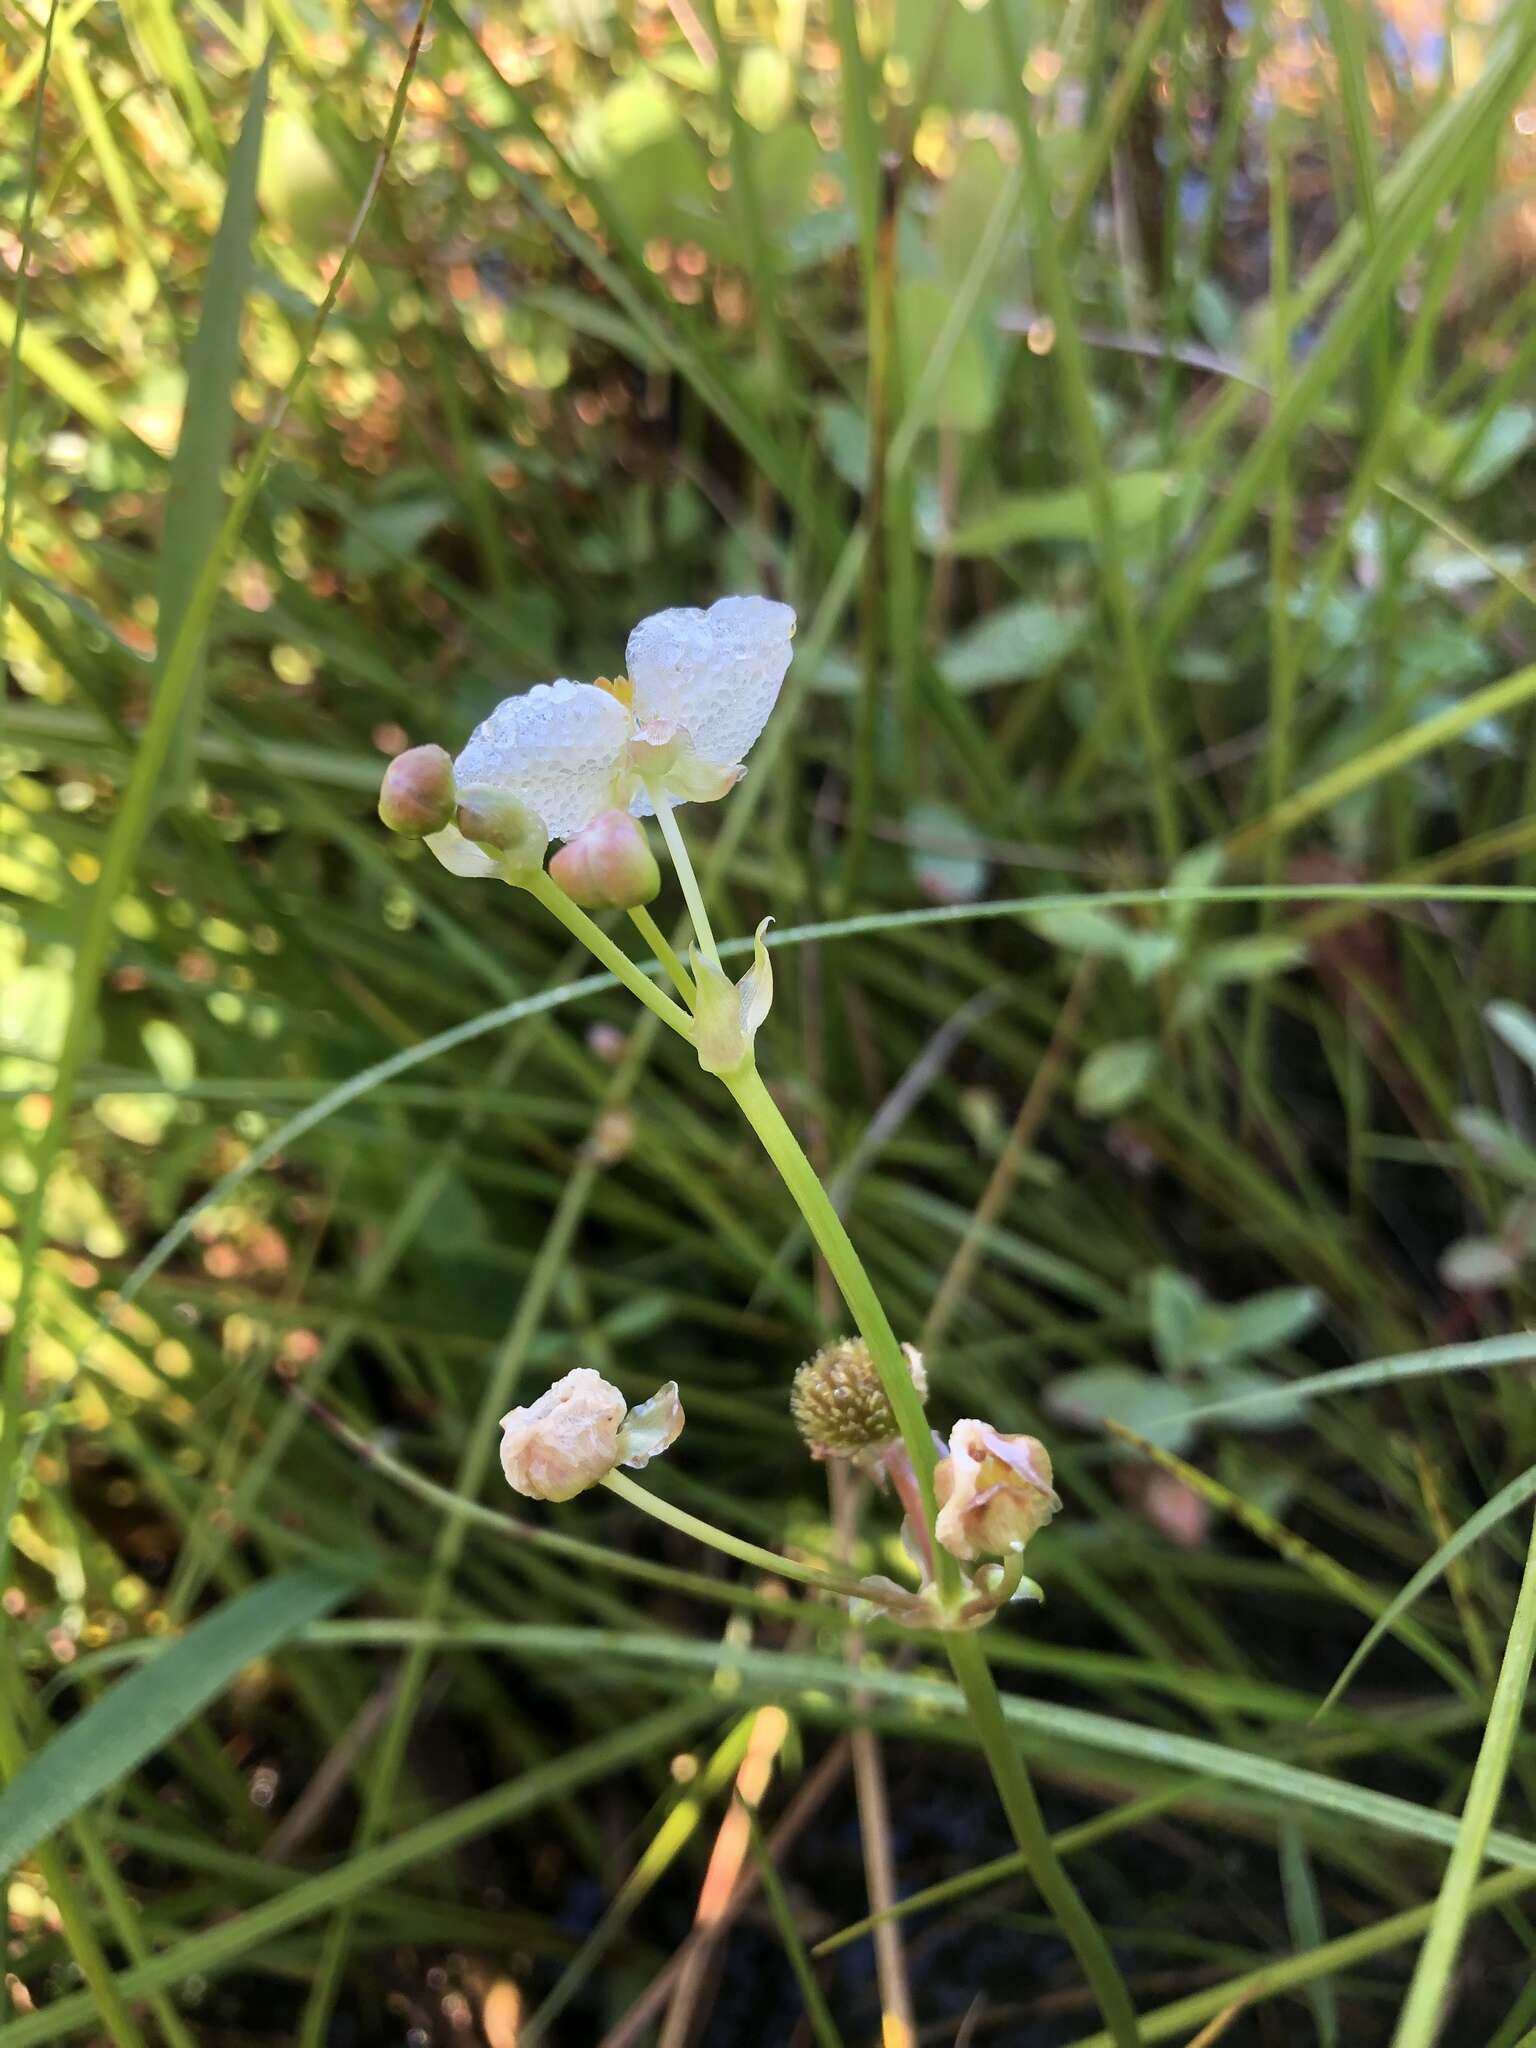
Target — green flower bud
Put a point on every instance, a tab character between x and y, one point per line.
417	795
502	826
608	865
838	1403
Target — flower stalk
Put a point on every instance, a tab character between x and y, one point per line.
579	763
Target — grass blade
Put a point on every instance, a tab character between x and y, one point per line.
1419	2025
196	493
116	1733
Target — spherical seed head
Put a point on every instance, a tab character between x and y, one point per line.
838	1403
417	796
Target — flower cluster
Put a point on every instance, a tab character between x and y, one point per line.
994	1491
567	760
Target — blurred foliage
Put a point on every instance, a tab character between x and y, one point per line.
1213	567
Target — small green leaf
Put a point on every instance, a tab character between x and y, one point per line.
1252	959
141	1713
1137	497
1114	1076
1265	1322
1014	645
1175	1305
1153	1408
1198	869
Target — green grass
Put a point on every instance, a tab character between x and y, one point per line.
1154	475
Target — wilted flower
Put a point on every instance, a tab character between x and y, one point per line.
675	730
994	1491
728	1014
838	1403
574	1435
609	865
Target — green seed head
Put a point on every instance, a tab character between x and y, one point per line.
839	1405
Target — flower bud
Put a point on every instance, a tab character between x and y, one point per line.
994	1491
417	793
609	865
502	826
728	1015
574	1435
838	1403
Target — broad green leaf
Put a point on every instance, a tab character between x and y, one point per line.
1116	1075
1154	1408
1013	645
1137	496
194	505
141	1713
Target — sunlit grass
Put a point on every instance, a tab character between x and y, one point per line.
1136	410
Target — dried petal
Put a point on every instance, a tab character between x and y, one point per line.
565	1441
994	1491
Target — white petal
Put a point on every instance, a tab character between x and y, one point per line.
718	673
461	856
556	749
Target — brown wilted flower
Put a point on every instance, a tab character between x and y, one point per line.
994	1491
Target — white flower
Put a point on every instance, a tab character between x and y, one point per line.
575	1434
675	730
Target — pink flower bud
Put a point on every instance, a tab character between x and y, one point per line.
608	865
417	794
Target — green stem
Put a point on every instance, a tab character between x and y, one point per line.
969	1663
693	895
665	952
732	1546
967	1660
614	958
865	1306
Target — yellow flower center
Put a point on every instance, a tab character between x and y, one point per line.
620	687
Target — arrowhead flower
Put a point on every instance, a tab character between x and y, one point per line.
675	730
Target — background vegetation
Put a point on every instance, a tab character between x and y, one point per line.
1136	405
